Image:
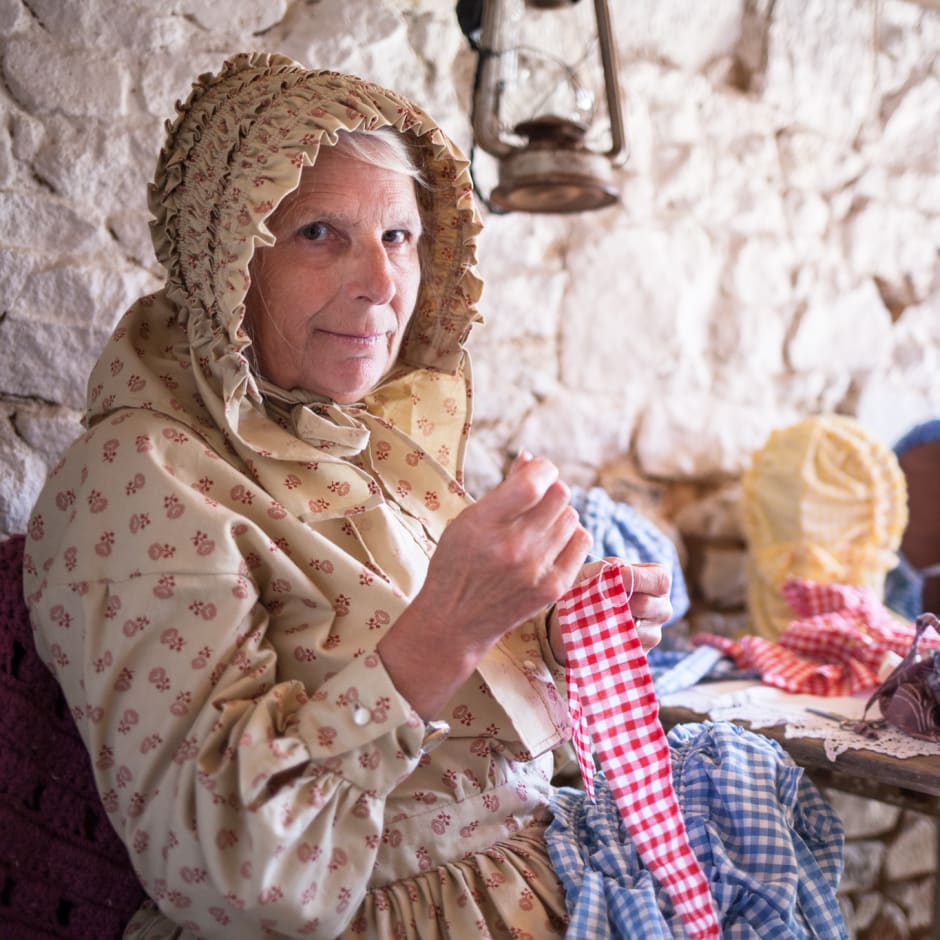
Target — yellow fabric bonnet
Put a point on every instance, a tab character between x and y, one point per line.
822	500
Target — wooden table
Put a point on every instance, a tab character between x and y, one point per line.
912	783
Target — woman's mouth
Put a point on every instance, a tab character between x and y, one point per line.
364	340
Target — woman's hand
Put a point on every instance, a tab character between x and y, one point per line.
649	602
500	562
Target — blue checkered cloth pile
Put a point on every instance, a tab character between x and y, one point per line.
768	842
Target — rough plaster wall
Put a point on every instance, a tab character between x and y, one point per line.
775	254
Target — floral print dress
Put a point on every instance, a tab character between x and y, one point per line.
212	564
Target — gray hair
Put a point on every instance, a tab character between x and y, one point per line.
384	147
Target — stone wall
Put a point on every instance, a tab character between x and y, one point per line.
889	879
775	252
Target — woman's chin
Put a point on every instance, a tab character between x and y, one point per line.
353	388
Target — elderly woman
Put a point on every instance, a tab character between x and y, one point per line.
257	576
318	683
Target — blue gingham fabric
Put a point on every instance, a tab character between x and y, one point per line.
768	842
687	671
618	529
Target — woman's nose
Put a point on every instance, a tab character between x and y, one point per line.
373	276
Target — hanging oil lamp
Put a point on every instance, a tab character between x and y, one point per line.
542	67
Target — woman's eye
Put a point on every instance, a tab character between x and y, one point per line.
397	236
313	231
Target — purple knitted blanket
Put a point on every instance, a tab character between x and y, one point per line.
63	871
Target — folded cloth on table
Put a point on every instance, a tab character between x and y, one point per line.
835	647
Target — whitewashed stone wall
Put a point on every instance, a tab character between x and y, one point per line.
775	254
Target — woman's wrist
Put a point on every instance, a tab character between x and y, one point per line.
413	642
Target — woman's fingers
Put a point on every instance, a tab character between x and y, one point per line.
650	610
525	485
650	605
568	561
649	635
651	578
531	516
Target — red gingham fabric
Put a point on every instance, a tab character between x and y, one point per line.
612	703
835	647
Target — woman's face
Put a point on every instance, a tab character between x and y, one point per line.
329	302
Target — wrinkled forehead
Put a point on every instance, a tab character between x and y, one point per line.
349	191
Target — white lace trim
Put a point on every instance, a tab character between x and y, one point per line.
764	706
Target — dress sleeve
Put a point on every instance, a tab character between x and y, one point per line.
526	684
243	754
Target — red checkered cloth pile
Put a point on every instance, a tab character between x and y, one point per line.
835	647
612	704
